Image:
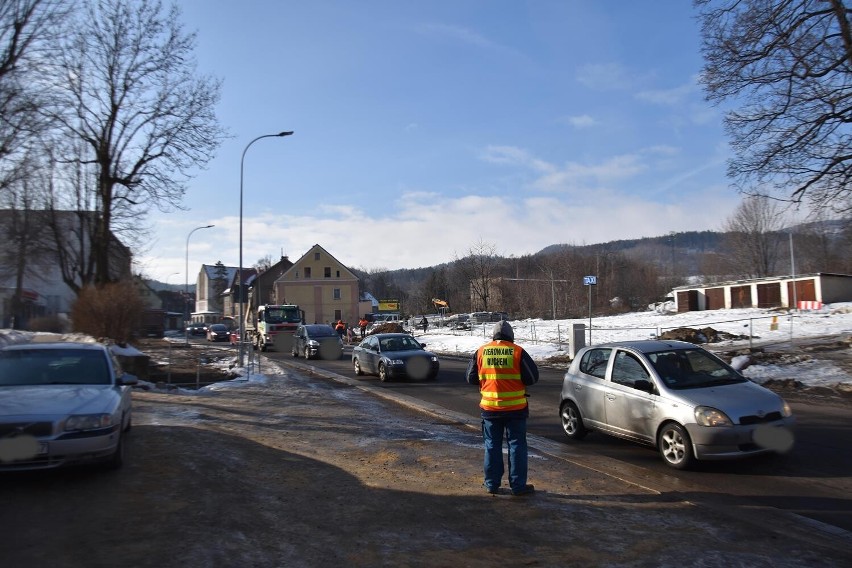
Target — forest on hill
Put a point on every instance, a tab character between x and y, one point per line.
630	274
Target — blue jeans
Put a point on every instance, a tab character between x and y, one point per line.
516	439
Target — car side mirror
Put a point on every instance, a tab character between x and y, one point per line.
127	380
644	385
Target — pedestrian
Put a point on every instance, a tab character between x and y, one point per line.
425	323
503	370
363	323
340	328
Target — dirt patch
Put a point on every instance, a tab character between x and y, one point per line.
699	336
170	364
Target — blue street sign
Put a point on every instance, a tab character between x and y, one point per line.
590	280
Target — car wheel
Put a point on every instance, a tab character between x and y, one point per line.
116	460
675	446
383	373
357	365
129	424
307	353
572	422
294	351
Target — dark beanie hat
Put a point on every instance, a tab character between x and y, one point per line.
502	330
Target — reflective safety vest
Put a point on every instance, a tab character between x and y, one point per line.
500	384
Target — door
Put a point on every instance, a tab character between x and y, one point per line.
629	410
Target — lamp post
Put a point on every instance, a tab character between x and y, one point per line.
186	285
240	269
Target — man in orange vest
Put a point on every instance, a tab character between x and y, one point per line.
503	370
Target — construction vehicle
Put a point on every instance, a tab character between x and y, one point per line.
273	325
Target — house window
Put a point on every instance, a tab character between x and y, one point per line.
338	274
307	272
316	256
336	293
327	272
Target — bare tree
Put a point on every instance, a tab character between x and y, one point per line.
133	112
479	269
755	241
263	264
28	32
788	63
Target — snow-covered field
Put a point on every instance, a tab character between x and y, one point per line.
544	339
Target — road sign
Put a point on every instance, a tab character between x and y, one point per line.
590	280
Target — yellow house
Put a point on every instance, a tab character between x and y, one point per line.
322	286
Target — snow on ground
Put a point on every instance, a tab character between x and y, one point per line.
545	339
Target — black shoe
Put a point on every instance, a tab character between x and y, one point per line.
492	491
525	490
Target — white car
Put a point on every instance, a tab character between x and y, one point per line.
60	404
675	396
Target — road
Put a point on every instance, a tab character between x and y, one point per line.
814	480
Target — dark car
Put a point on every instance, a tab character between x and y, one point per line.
317	340
675	396
218	332
197	328
62	404
394	356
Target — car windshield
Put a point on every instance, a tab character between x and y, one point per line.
400	343
218	327
53	367
692	369
282	315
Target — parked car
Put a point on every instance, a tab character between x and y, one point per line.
394	356
317	340
62	404
675	396
197	328
218	332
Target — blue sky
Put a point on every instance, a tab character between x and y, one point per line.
425	128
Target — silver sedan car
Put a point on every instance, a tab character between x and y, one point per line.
675	396
61	404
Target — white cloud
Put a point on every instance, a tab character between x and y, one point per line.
579	121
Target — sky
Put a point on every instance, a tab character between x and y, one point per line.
514	124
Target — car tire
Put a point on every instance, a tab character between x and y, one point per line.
307	353
116	460
572	422
129	424
294	351
358	370
675	446
383	373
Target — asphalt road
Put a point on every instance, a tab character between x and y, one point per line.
813	481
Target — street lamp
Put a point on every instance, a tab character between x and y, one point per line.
240	269
186	285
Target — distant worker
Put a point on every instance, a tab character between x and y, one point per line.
425	323
340	328
503	370
363	323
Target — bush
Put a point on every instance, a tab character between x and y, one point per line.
111	311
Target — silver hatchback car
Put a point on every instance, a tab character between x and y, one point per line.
675	396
